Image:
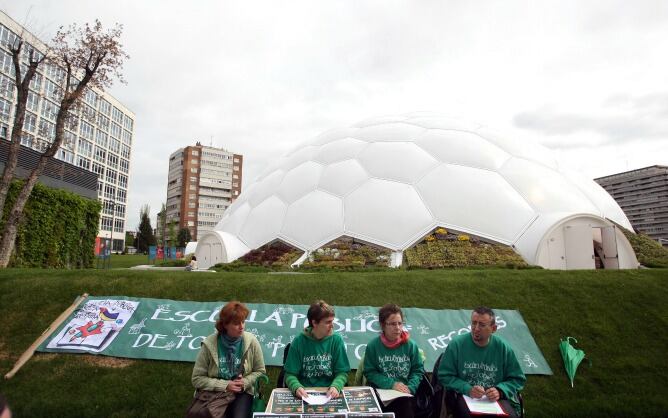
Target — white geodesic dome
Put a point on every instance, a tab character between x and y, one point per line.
390	181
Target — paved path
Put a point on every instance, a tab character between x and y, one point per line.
152	267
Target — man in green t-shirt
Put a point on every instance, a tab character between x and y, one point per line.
317	357
481	364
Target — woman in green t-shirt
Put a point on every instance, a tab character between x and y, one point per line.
317	357
393	361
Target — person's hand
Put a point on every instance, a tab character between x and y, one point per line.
477	392
493	394
301	393
332	392
236	386
400	387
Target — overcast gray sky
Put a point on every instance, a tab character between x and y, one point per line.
588	79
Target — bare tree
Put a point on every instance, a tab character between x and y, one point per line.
89	57
22	83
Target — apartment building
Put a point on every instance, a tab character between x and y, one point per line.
643	196
99	139
202	182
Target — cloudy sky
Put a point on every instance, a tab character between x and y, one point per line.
587	79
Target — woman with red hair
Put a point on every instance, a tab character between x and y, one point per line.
227	366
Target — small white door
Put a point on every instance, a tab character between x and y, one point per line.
204	256
555	251
609	243
579	247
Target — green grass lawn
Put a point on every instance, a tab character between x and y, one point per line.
620	319
128	260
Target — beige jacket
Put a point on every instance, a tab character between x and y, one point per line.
205	372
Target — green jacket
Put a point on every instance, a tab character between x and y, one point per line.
384	366
316	363
465	365
205	372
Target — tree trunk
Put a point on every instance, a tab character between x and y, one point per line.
22	87
12	226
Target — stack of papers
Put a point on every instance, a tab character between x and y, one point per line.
484	406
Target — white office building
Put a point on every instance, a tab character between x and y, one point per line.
98	140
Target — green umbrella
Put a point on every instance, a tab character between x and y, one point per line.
571	356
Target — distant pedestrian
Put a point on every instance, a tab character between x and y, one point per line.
192	265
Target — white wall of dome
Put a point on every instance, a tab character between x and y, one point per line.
392	180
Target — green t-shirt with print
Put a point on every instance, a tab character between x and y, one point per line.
316	363
384	366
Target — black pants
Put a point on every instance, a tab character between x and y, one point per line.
403	407
240	407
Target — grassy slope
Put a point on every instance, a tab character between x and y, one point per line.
620	319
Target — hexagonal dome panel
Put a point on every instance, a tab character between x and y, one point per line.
313	220
342	178
299	181
463	148
400	161
339	150
390	180
263	223
545	189
265	187
475	188
404	214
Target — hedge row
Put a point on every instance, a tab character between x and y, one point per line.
58	229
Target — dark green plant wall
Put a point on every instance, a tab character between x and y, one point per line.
58	229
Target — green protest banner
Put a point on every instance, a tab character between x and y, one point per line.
164	329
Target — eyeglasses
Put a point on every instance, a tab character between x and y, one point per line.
480	324
394	324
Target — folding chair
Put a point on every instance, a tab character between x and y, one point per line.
280	382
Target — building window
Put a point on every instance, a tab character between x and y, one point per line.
109	192
114	145
65	155
115	130
84	162
101	138
106	224
5	110
127	137
111	176
105	107
103	121
116	115
47	129
124	166
85	147
98	169
100	154
112	160
30	122
33	101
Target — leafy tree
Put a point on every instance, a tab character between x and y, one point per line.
89	57
184	237
129	239
172	233
161	226
145	236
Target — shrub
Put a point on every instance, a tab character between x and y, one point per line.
58	229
